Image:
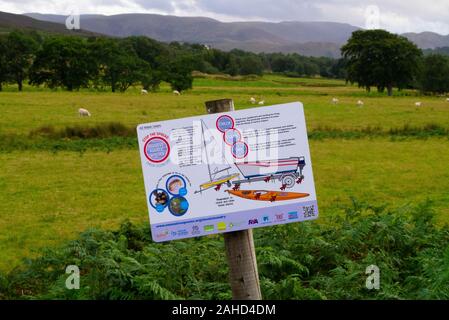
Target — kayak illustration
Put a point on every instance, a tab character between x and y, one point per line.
264	195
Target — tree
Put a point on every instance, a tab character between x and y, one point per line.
435	74
178	72
4	75
251	64
20	50
63	61
381	59
118	65
151	52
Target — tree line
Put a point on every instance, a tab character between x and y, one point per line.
72	62
372	59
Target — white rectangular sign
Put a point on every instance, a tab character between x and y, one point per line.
227	172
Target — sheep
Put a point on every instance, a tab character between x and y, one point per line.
143	91
252	100
335	101
360	103
447	100
176	93
418	104
261	103
83	112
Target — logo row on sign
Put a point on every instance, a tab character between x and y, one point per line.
223	226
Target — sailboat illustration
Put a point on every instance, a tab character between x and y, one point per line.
217	176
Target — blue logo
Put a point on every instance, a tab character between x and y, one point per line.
293	215
239	150
266	219
224	123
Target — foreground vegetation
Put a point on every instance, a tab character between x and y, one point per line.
298	261
62	175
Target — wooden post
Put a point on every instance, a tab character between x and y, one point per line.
240	252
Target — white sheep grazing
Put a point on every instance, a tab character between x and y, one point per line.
261	103
84	113
143	91
447	100
252	100
176	93
360	103
418	104
335	101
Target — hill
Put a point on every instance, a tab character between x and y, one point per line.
307	38
9	21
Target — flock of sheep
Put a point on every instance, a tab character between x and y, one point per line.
254	101
360	103
85	113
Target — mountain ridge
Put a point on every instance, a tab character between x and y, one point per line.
11	21
314	38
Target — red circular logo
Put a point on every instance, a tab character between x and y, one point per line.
224	123
157	149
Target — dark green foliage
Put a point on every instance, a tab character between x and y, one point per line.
118	64
377	58
74	62
20	50
177	70
107	130
63	62
310	260
4	75
112	136
435	74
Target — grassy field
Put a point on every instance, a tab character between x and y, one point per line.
46	197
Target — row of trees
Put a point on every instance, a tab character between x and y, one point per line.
377	58
75	62
373	58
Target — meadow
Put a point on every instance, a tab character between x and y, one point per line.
387	152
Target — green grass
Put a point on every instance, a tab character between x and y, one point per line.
53	187
34	108
47	197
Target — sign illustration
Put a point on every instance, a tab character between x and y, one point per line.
227	172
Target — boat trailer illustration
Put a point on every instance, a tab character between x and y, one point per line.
288	171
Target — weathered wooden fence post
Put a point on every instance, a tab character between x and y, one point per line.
240	251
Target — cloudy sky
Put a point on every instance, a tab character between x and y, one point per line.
394	15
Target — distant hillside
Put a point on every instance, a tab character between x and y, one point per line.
428	40
9	21
307	38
